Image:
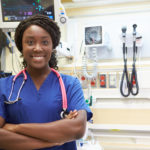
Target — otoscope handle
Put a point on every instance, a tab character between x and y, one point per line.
124	29
134	29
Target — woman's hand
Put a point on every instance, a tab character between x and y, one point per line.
72	114
10	127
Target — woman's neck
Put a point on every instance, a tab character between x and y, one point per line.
38	75
38	72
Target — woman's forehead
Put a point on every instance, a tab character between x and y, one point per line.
35	30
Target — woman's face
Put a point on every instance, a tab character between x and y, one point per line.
37	47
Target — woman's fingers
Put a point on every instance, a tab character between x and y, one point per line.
72	114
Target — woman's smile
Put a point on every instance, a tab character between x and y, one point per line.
38	57
37	47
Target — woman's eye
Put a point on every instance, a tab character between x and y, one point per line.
45	42
30	42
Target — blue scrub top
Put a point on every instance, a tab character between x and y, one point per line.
43	105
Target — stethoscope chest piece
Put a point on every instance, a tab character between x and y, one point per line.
12	102
63	114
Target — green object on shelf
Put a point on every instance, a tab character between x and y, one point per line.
89	101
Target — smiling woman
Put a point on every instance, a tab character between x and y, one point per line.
50	27
37	47
34	122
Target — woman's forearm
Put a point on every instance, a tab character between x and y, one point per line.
59	131
13	141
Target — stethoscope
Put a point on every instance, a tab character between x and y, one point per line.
63	91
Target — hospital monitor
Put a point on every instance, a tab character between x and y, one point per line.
13	11
93	36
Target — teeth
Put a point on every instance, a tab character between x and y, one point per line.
37	58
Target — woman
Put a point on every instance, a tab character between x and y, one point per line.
34	122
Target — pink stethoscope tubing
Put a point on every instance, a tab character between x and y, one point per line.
63	90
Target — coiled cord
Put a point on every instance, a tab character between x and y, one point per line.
125	78
132	85
84	65
134	81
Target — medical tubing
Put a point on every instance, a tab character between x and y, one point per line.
17	98
84	65
11	41
12	87
64	94
64	97
20	89
12	45
25	75
125	71
22	71
134	80
125	75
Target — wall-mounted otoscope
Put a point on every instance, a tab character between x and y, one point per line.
125	83
129	86
134	80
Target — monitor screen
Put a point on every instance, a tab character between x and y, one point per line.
17	10
93	36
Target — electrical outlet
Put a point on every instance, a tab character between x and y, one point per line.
102	78
112	80
93	83
84	82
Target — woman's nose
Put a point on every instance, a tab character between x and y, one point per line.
38	47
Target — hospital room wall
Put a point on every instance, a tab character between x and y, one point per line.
112	19
111	60
110	108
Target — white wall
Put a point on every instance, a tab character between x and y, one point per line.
112	24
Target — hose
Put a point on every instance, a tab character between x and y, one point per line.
134	80
125	77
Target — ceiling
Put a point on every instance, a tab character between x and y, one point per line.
91	3
66	1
